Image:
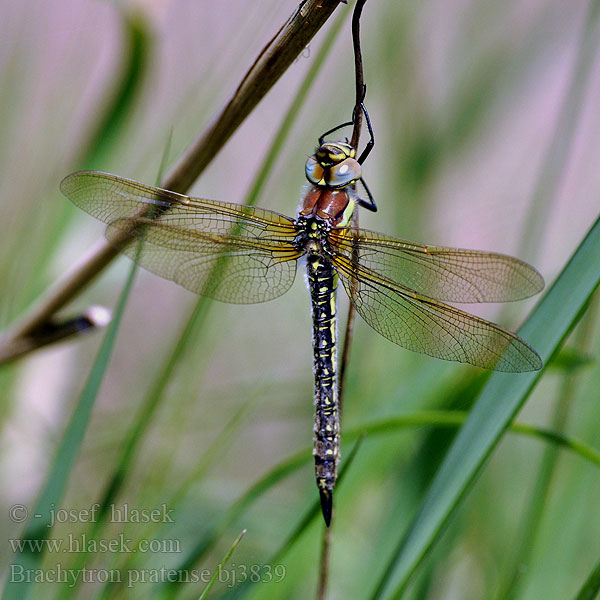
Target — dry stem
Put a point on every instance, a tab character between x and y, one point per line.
271	63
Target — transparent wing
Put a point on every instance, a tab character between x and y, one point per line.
229	252
447	274
424	325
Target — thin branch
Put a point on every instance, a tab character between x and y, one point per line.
95	317
268	67
324	564
349	325
270	64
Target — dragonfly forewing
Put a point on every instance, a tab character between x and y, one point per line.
229	252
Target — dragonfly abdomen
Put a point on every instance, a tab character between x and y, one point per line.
322	281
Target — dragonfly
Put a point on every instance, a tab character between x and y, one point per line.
241	254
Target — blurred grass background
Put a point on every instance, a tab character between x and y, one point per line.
466	97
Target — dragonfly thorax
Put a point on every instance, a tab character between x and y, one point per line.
332	207
333	165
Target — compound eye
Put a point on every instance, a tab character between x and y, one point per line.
344	173
314	171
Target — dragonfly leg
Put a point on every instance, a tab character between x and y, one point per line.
330	131
370	205
371	143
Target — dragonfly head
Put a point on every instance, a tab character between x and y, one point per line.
333	165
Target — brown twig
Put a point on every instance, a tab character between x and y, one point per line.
95	317
268	67
349	328
324	564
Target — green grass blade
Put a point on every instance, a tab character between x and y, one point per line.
137	49
434	418
536	509
499	402
38	529
591	587
219	569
